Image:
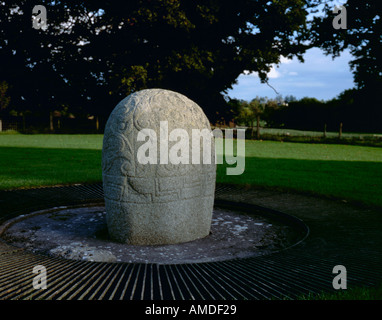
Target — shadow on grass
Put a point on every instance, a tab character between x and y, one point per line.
359	181
351	180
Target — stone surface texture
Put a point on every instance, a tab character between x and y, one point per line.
153	204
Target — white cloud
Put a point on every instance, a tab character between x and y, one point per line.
284	60
273	74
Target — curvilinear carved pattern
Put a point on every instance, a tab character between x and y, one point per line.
151	204
131	181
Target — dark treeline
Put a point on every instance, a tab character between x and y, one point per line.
357	110
353	110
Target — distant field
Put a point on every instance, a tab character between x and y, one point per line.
332	134
342	171
60	141
306	133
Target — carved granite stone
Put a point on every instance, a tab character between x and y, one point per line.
156	202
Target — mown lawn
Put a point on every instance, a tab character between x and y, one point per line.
341	171
44	160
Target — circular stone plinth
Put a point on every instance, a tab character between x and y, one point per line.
81	234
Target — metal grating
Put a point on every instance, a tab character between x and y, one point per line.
287	274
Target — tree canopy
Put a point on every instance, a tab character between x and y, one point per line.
94	52
363	36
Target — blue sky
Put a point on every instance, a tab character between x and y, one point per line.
319	76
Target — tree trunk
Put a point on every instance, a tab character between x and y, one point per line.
258	127
97	123
340	132
23	121
325	130
51	128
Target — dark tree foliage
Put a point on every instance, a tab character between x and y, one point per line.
95	52
351	108
304	114
361	108
363	36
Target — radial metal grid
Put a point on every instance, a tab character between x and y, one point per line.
302	269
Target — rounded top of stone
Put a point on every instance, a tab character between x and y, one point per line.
150	106
157	114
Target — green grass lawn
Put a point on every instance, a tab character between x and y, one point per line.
356	293
43	160
342	171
